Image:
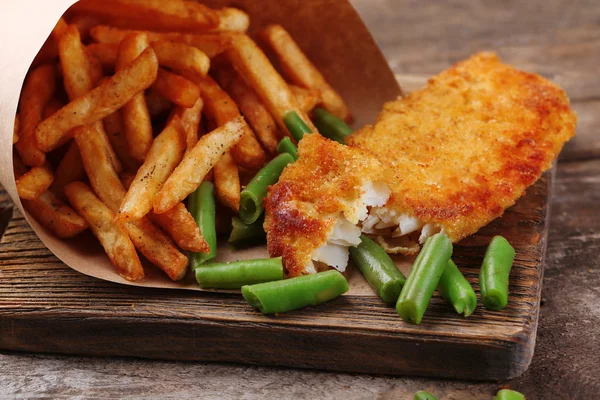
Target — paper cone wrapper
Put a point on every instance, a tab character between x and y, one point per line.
329	31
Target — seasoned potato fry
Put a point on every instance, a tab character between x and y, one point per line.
221	108
98	103
37	91
157	248
59	29
254	66
16	129
210	44
307	99
148	239
181	57
232	20
136	117
53	106
255	112
164	155
181	226
177	222
163	15
190	120
195	165
177	89
50	211
105	53
69	169
115	131
35	182
301	71
227	182
113	237
157	104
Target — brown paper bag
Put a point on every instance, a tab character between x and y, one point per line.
329	31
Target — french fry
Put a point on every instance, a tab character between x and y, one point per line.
176	88
59	29
105	53
37	91
173	15
222	109
84	23
16	129
35	182
164	155
227	182
195	165
190	120
53	106
136	117
115	131
69	169
255	112
148	239
98	103
232	20
210	44
181	57
256	69
307	99
50	211
301	71
113	237
157	104
177	222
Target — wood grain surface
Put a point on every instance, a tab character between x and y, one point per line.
557	38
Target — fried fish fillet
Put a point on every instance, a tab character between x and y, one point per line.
463	149
312	212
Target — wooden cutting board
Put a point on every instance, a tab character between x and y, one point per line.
46	306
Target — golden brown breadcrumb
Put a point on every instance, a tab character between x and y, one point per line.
466	147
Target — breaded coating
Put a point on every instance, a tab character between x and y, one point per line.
467	146
328	181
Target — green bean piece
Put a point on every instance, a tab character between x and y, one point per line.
295	125
286	146
251	198
243	235
201	204
423	395
378	269
424	277
234	275
455	288
493	276
331	126
507	394
294	293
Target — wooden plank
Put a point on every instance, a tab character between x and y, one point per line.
47	307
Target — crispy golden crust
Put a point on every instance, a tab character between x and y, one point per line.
302	208
465	147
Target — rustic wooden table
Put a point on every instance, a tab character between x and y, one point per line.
559	39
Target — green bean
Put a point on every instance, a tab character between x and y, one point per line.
378	269
294	293
424	277
201	204
243	235
423	395
286	146
234	275
455	288
295	125
331	126
506	394
251	198
493	276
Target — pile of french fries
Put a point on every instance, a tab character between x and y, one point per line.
111	132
